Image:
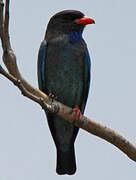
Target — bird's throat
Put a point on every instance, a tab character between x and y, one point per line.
74	36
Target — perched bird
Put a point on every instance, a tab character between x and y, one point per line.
64	70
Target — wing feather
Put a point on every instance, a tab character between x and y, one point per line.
41	64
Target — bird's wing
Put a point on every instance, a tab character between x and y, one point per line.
41	64
87	78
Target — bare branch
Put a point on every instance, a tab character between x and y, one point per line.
6	24
111	136
1	24
44	101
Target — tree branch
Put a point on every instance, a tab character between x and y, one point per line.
44	101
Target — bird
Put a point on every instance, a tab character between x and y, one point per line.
64	71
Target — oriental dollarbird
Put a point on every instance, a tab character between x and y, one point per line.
64	70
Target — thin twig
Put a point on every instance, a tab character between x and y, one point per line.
1	24
6	24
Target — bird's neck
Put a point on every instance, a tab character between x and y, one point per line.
74	36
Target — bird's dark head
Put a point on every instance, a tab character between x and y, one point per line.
68	21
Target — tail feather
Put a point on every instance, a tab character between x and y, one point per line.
66	163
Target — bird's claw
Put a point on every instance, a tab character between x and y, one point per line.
52	97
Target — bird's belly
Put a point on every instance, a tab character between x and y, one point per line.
68	88
64	78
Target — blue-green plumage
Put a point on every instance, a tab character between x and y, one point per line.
64	70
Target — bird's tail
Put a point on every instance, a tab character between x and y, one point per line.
66	163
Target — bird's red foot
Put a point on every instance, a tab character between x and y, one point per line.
78	112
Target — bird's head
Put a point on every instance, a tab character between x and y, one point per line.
68	21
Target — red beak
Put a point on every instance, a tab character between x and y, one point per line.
85	20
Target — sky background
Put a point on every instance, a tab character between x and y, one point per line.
27	151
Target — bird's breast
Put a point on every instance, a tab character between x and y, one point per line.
64	71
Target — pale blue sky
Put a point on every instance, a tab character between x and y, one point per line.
27	151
